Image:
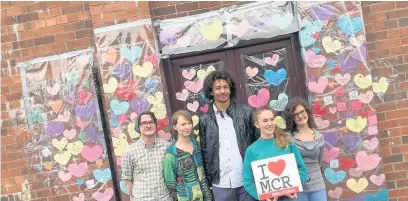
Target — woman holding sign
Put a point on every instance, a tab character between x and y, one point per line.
300	126
183	165
268	178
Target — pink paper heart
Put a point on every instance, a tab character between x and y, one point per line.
321	124
83	96
355	172
313	60
367	163
241	29
319	86
371	144
259	100
272	60
194	87
377	180
193	106
340	92
81	197
336	193
188	74
81	124
204	108
70	134
372	130
78	170
163	135
366	97
329	155
91	154
64	176
64	117
333	110
342	79
182	96
251	72
122	118
105	196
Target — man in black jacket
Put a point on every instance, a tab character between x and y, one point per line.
226	131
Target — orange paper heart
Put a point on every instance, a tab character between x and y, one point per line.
47	166
110	56
56	105
98	162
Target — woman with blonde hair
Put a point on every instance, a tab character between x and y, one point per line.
183	164
272	142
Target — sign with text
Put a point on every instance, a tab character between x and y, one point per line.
276	176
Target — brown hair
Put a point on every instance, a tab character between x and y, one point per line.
281	138
181	113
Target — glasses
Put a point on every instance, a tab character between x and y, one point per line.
145	123
299	114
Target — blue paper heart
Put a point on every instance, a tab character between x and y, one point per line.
334	177
123	188
80	181
151	84
102	175
381	195
72	77
350	26
280	104
119	107
114	121
316	50
331	63
275	78
131	54
305	35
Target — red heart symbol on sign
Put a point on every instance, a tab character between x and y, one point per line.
277	167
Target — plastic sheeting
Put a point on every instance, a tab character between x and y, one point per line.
342	89
226	27
66	149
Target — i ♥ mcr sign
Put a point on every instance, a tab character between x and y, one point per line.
276	176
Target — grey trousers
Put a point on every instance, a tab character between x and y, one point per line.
231	194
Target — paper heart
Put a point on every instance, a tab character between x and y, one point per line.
360	54
193	106
356	125
120	144
54	129
163	135
251	72
78	170
75	147
322	12
241	29
381	86
333	110
377	180
91	154
363	82
159	110
367	163
212	31
162	123
132	132
319	86
105	196
102	175
60	144
318	109
111	86
63	157
277	167
110	56
346	163
357	186
334	177
56	105
347	63
355	172
314	61
194	87
119	107
48	165
330	154
155	99
152	58
72	77
371	144
86	112
92	135
151	84
308	30
140	105
83	96
260	99
330	45
381	195
64	176
204	108
183	95
351	141
80	197
350	26
342	79
275	78
122	70
132	53
64	117
330	139
321	124
336	193
54	89
81	124
143	71
188	74
280	122
357	42
272	60
201	74
280	104
126	90
196	132
366	97
282	22
195	119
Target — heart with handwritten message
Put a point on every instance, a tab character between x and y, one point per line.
280	104
319	86
367	162
91	154
105	196
260	99
357	186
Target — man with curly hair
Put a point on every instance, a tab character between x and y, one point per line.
226	131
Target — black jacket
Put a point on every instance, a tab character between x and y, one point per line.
209	137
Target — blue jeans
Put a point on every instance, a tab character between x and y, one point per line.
320	195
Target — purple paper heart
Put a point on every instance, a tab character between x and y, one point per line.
167	38
322	13
54	129
347	64
357	198
351	141
70	98
122	70
348	115
257	22
140	105
360	53
92	135
310	79
86	111
331	139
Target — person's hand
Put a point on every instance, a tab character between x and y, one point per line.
293	195
273	199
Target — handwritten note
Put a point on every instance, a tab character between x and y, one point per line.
328	100
334	163
353	95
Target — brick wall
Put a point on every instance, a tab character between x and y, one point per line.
386	25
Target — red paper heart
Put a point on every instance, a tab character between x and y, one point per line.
277	167
346	163
319	110
204	108
336	69
161	124
340	92
83	96
126	91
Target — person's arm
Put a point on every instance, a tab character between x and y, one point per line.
301	165
169	166
249	182
127	172
203	146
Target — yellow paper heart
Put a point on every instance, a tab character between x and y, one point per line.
363	82
196	132
144	70
111	86
201	74
280	122
159	111
156	98
381	86
356	125
195	120
132	132
330	45
359	186
75	147
212	31
198	139
63	158
120	144
60	145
